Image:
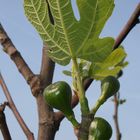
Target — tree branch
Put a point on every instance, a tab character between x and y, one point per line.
3	125
47	126
14	54
116	122
133	20
127	28
12	106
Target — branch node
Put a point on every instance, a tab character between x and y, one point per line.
47	122
35	83
13	108
2	106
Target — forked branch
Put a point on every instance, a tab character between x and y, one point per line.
14	54
13	108
8	46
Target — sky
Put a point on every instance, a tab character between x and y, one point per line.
28	42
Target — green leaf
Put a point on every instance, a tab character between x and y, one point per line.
103	12
110	66
68	38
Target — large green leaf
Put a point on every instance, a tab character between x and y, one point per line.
69	38
110	66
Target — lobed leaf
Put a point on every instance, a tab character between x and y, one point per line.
69	38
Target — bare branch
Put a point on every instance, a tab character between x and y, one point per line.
14	54
127	28
133	20
116	122
47	126
3	125
12	106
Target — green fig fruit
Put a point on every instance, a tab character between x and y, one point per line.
58	95
100	129
109	87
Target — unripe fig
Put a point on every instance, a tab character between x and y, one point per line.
58	95
100	129
109	87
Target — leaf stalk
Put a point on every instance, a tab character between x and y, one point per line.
73	121
81	92
99	102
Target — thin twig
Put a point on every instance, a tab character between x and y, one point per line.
3	125
122	35
133	20
116	121
12	106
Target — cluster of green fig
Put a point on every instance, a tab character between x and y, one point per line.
59	95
